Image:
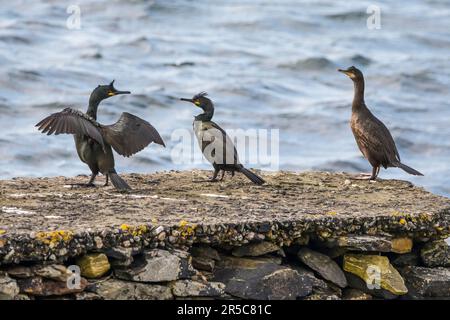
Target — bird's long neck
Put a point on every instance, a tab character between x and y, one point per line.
358	98
92	109
206	115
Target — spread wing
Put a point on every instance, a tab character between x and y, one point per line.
130	135
71	121
375	141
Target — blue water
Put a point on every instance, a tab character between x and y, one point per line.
266	64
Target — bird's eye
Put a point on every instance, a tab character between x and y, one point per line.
110	93
197	102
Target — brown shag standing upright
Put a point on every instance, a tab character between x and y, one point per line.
373	138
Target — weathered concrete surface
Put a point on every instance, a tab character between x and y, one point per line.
46	219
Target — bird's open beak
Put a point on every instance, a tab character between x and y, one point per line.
117	92
186	99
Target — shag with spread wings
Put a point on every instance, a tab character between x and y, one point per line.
94	141
127	136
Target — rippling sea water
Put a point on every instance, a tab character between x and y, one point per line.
266	64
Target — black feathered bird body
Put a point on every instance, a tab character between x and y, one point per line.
98	158
373	138
216	145
94	142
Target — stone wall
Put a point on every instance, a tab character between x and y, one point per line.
303	236
352	267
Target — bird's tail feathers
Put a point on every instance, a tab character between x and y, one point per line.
252	176
118	182
407	169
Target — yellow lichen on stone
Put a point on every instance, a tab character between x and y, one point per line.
402	245
135	231
2	232
402	221
125	227
332	213
54	237
139	230
186	229
375	270
183	223
425	217
93	265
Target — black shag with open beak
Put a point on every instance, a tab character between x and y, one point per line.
216	145
94	142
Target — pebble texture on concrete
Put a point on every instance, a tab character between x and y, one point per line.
47	218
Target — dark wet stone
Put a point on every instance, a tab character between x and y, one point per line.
334	252
323	265
246	262
255	249
323	290
263	280
205	251
436	254
404	260
355	294
427	282
202	263
357	283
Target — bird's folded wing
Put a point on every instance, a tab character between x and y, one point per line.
389	142
229	155
130	135
71	121
378	142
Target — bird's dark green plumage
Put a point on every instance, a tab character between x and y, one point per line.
94	142
371	135
214	142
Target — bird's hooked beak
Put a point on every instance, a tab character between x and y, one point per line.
196	102
114	92
346	72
